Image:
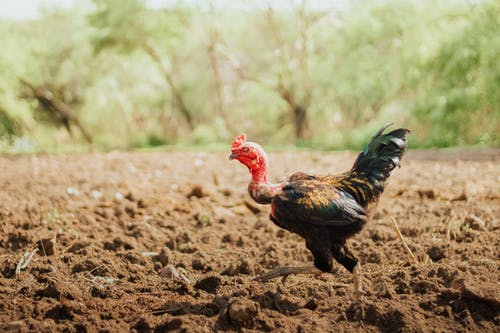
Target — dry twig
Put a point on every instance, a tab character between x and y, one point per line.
448	230
25	261
398	232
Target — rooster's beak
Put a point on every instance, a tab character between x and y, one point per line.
233	156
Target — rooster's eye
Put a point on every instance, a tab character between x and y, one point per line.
246	149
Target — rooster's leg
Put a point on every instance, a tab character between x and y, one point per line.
343	255
356	273
285	271
322	263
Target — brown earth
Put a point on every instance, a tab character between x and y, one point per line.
170	241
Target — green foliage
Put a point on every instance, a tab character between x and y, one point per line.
118	23
140	77
459	99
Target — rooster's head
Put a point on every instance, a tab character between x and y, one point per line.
248	153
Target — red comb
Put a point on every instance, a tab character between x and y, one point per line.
239	141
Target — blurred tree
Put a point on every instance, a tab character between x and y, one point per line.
46	71
214	40
128	25
57	111
287	61
458	100
9	126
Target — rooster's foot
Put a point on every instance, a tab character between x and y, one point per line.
285	271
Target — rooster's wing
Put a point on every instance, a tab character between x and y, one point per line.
310	200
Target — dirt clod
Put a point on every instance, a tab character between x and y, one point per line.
169	272
209	284
197	191
437	252
47	246
311	305
164	257
142	326
242	310
486	292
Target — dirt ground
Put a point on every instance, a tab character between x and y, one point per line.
170	241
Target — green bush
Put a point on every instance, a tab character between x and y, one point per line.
134	76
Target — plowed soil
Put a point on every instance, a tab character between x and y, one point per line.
170	241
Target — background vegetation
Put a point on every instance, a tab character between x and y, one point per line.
116	74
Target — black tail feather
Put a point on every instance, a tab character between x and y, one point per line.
382	154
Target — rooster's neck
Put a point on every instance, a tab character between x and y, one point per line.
259	175
258	166
263	193
260	189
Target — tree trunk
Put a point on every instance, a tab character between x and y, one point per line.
179	100
298	111
65	114
218	84
300	121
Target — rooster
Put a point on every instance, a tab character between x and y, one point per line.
324	210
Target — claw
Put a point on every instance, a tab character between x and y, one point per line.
286	271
